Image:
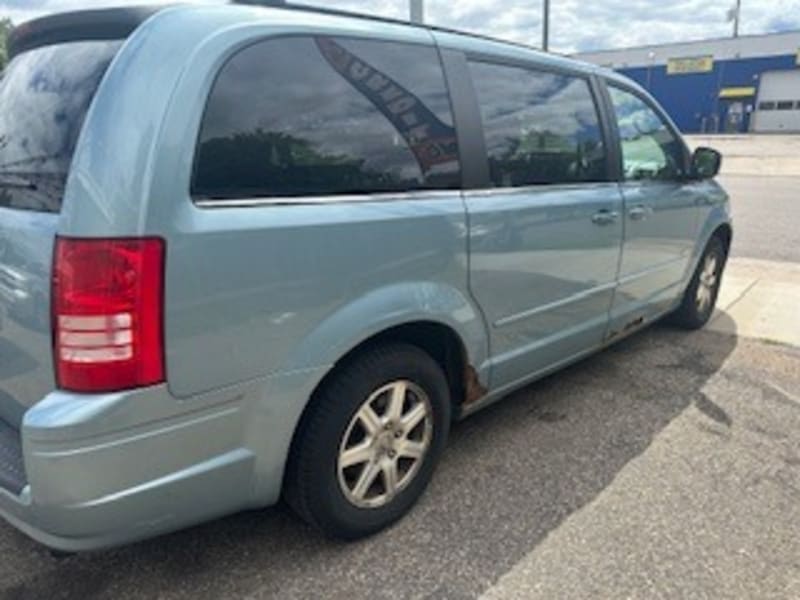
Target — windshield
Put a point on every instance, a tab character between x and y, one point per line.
44	96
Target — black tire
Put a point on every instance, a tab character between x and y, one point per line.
312	482
691	314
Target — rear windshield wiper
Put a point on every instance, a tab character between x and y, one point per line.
17	163
17	182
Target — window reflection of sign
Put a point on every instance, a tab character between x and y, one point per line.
432	142
694	64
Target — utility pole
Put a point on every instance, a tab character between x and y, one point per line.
735	16
417	10
546	26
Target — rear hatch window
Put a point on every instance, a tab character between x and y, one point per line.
45	94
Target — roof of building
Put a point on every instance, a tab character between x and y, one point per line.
745	46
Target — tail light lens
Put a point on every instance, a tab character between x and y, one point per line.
108	313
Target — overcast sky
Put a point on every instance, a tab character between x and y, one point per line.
576	24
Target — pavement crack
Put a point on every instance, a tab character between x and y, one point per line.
786	394
736	300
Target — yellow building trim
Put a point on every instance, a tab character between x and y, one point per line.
737	92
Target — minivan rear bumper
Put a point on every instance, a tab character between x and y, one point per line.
124	482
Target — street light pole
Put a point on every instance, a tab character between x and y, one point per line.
736	16
546	26
417	9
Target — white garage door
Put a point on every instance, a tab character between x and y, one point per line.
778	107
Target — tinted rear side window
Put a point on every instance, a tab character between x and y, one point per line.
540	127
310	116
44	96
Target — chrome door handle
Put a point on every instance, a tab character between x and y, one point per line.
639	213
605	217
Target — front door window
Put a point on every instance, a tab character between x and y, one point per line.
650	150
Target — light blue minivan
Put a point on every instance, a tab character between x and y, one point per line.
251	253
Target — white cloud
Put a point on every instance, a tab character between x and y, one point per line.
575	24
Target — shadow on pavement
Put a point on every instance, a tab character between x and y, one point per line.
511	475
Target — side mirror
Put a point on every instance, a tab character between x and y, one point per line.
706	163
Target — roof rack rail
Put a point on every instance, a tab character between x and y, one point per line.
321	9
260	2
346	13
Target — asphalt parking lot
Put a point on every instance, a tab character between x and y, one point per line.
767	215
666	466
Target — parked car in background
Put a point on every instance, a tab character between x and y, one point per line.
251	252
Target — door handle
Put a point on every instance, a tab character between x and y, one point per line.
605	217
639	213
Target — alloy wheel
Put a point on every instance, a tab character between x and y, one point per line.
707	284
385	444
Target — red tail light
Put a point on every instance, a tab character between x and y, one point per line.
108	313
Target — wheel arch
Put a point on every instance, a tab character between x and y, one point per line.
417	312
437	339
440	341
723	231
716	224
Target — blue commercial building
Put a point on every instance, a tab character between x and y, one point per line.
732	85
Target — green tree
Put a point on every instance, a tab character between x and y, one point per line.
5	29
